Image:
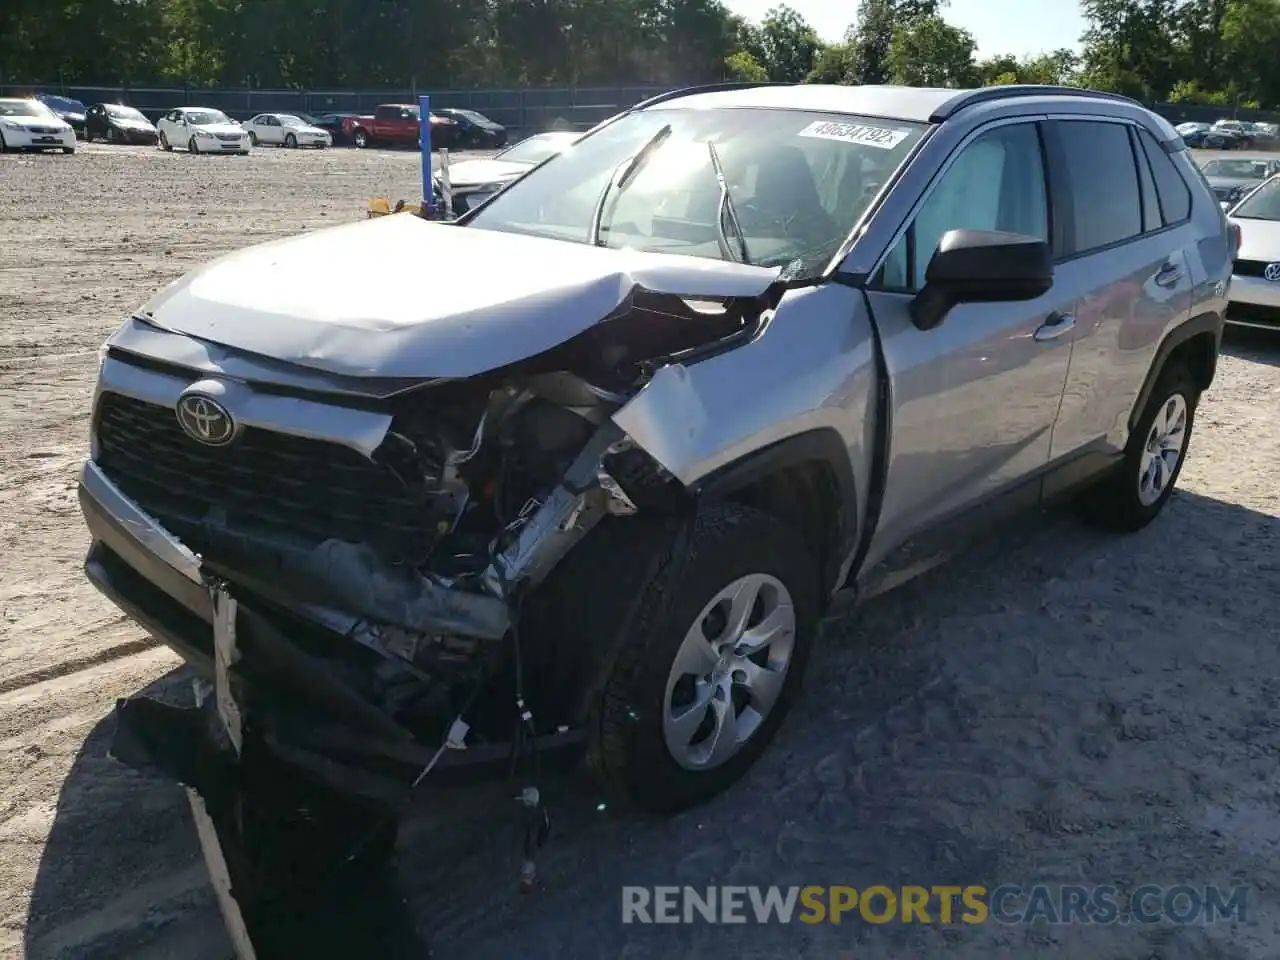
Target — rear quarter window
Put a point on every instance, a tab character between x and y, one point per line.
1171	189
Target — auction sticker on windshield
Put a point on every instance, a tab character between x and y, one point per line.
860	133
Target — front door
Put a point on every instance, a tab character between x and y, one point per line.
974	400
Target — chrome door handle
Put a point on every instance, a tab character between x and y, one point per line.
1055	326
1169	275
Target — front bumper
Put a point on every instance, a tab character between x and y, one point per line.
23	138
1254	302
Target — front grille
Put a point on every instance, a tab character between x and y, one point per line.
310	488
1250	268
229	137
43	129
1253	313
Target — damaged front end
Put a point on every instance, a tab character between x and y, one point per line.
365	618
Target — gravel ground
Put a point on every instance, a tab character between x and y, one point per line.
1056	706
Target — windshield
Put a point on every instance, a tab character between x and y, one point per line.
123	113
24	108
1262	204
1241	169
472	116
536	149
206	116
64	104
797	181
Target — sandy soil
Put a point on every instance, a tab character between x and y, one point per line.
1056	706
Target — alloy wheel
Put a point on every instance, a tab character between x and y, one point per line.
1166	442
728	672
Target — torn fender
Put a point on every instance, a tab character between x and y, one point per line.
409	298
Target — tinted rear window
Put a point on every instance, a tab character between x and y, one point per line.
1104	183
1175	198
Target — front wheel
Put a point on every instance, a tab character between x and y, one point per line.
193	146
291	141
711	662
360	139
1135	493
164	143
253	139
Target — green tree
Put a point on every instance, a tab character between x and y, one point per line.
744	67
789	45
929	52
834	64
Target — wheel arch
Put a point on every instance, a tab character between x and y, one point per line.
806	480
1194	343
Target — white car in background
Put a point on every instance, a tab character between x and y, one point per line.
202	130
286	130
472	182
30	125
1254	294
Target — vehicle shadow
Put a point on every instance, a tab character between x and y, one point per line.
832	802
1248	343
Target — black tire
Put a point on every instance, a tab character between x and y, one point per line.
628	750
192	147
1114	504
360	138
111	135
164	143
253	139
3	146
291	141
66	150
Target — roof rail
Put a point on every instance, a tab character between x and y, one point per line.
706	88
971	98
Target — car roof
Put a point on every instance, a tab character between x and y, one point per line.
919	104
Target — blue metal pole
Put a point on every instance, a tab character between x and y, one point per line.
424	144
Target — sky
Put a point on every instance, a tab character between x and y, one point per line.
1020	27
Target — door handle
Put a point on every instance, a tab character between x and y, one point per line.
1169	275
1055	326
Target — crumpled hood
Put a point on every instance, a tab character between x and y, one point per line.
399	296
471	172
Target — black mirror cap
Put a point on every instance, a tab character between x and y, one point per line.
982	266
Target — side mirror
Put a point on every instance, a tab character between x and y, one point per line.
981	266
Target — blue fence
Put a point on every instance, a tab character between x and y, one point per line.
522	111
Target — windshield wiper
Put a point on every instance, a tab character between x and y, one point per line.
622	176
725	210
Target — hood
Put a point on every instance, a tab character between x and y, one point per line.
130	124
307	128
1259	239
55	122
415	299
1224	183
474	172
216	128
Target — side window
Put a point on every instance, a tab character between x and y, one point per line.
384	113
1151	218
997	182
1104	183
1175	198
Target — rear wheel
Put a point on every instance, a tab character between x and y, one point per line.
711	662
1135	493
291	141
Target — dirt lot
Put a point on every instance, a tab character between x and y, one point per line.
1057	706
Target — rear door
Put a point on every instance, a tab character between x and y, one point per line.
974	400
1124	224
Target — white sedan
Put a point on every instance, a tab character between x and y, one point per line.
202	130
286	130
1254	293
30	125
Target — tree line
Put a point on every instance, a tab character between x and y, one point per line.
1204	51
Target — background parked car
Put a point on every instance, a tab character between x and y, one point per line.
1255	275
69	111
332	123
475	129
474	181
1243	132
285	130
1232	177
1207	136
30	125
396	124
116	123
202	130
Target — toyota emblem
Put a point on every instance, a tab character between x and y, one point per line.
1272	272
205	420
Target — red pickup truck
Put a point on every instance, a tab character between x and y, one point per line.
397	124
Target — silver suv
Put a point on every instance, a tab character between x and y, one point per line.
592	463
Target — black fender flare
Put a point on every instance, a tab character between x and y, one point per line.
1211	323
823	445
